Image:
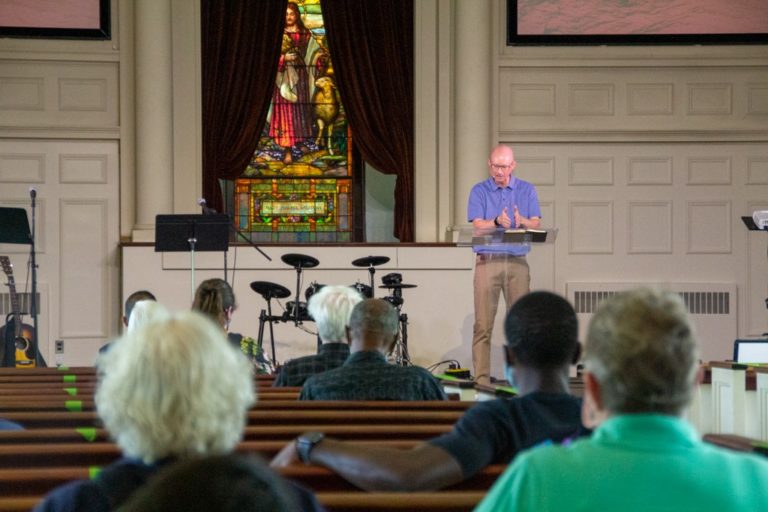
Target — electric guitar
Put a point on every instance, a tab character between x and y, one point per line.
22	334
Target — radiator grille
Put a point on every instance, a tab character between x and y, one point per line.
698	303
25	303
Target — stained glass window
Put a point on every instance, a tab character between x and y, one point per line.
298	186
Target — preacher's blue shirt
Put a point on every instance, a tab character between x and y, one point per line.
487	200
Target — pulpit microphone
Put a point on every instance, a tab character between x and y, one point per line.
33	195
206	209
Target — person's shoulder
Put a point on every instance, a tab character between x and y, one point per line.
528	406
734	460
74	496
523	184
325	376
9	425
295	364
481	186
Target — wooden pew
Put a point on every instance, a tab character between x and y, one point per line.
40	481
440	501
103	453
761	390
252	433
47	403
734	400
266	400
738	443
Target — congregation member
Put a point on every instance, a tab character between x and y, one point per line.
146	312
9	425
541	332
216	299
130	303
501	201
330	308
217	483
169	391
132	300
641	360
366	374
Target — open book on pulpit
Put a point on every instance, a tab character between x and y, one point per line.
500	237
524	235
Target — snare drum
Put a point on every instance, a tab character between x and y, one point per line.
290	310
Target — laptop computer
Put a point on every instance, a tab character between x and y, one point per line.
751	351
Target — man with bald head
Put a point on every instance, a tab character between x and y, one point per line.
366	374
503	201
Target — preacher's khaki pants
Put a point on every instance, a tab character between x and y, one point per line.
494	273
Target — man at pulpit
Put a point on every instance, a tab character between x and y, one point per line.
501	201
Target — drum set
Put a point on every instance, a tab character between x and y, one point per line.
296	310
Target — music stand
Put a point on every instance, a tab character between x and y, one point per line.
189	232
14	226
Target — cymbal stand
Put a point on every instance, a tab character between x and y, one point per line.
267	317
296	301
400	351
372	271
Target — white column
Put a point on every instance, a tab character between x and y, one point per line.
473	90
154	113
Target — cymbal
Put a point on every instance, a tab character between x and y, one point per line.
299	260
398	286
270	290
370	261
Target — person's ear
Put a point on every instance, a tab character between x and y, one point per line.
509	355
389	346
593	412
576	353
125	321
348	334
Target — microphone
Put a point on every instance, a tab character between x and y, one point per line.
206	209
33	194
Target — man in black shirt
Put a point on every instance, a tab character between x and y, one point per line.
541	331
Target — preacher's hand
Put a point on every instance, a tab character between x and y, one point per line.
504	219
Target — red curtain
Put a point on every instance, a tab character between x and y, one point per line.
371	43
240	52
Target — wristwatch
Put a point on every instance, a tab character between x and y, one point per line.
306	442
496	221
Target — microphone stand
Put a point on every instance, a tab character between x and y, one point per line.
250	242
39	361
208	211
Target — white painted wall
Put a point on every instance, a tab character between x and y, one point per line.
644	157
